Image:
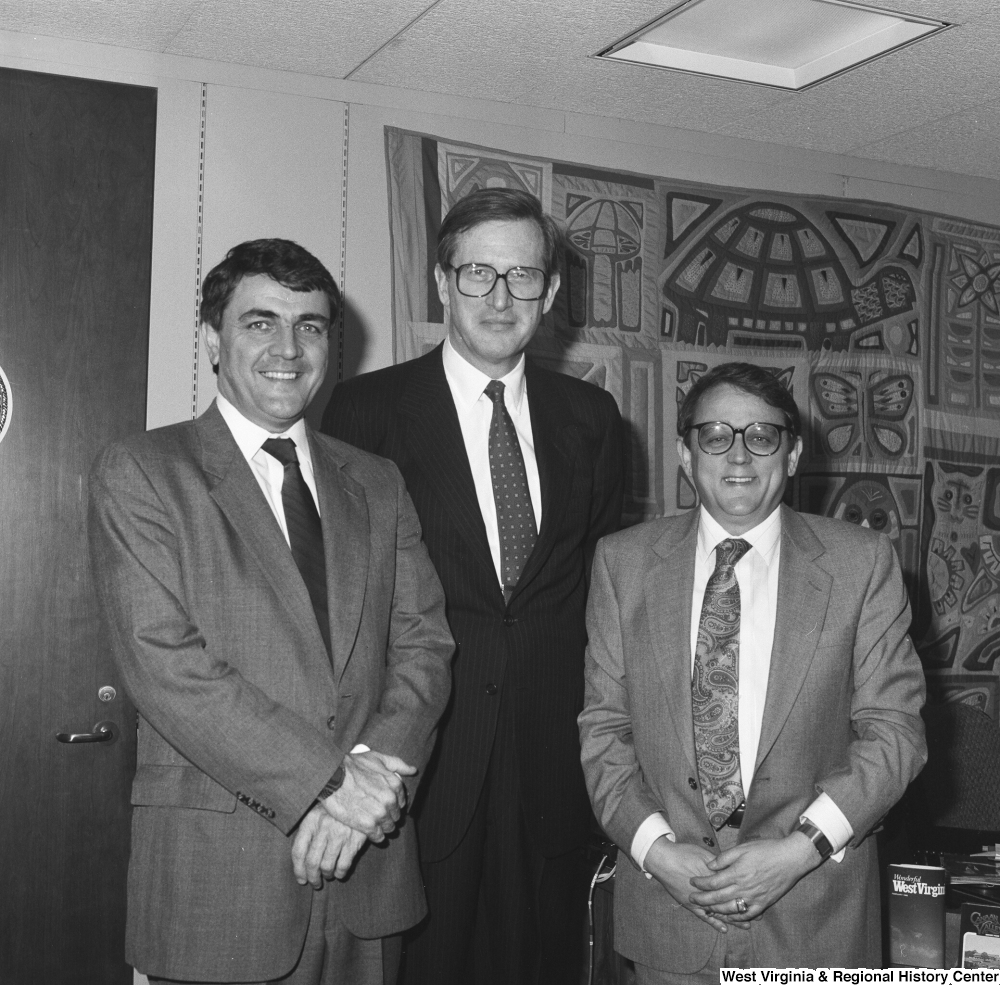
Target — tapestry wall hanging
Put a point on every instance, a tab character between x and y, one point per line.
883	322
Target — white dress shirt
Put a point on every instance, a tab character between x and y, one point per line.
475	412
757	575
267	470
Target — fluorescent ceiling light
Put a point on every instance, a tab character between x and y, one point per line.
790	44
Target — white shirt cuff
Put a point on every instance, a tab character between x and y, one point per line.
829	818
655	826
361	747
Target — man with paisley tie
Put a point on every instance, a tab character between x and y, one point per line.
752	709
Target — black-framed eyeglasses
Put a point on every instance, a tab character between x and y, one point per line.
476	280
717	437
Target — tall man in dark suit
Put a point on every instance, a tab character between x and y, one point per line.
515	472
753	707
289	666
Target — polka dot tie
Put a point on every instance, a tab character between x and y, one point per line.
715	687
515	517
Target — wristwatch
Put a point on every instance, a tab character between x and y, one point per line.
816	836
333	784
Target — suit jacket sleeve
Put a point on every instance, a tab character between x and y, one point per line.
609	481
420	646
621	798
888	749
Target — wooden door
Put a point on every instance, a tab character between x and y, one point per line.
76	194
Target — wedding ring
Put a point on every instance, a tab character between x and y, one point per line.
741	905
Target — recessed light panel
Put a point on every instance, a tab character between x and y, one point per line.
790	44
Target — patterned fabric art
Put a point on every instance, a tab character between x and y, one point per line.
883	322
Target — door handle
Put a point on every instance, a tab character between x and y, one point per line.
103	732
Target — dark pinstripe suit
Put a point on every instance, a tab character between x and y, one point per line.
525	658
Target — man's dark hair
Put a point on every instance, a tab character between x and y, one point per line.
752	379
498	205
289	264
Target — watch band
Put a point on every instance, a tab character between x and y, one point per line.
816	836
333	784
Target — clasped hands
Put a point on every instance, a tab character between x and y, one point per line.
367	807
758	873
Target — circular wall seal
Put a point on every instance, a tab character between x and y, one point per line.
5	404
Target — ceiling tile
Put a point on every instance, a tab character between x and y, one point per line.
144	24
895	94
965	143
523	52
318	37
923	105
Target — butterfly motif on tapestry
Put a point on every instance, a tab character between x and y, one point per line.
854	411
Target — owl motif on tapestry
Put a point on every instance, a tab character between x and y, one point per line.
869	503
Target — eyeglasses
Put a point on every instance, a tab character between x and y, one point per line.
717	437
476	280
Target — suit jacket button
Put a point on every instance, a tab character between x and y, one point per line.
491	689
692	783
709	842
509	620
331	722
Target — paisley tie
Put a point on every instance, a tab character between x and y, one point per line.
715	687
515	517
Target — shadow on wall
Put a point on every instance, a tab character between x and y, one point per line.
356	340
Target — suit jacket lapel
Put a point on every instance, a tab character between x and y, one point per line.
668	608
240	498
344	512
804	591
435	436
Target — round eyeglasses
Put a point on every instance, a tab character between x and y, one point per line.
717	437
476	280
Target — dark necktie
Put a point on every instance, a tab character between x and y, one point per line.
715	687
305	533
515	517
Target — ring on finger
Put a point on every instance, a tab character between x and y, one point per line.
741	905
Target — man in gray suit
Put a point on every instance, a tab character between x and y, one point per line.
752	707
281	630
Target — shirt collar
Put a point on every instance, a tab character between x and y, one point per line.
763	538
468	383
250	436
